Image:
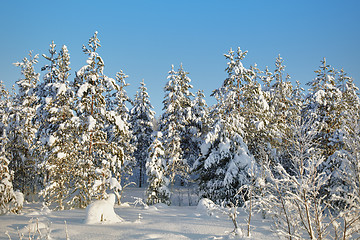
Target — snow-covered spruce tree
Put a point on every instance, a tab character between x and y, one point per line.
174	120
157	191
141	120
198	127
225	164
21	130
97	155
119	129
7	195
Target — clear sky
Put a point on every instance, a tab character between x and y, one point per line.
143	38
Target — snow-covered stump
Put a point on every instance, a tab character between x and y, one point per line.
102	211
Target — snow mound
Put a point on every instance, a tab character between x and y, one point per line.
102	211
39	225
17	203
206	206
42	212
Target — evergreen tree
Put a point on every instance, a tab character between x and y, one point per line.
97	155
157	191
141	119
342	137
282	112
242	96
197	129
119	130
57	132
175	119
7	195
21	130
325	104
297	99
225	164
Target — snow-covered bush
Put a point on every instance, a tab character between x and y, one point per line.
293	199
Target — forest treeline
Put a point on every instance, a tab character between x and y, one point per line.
266	145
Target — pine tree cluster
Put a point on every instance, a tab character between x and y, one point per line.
67	139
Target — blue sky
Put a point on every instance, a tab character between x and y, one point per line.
143	38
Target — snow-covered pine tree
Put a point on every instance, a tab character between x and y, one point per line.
282	111
141	120
325	104
21	130
348	119
157	191
45	94
226	162
97	154
174	120
297	99
57	134
256	115
242	95
350	103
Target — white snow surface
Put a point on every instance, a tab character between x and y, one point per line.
154	222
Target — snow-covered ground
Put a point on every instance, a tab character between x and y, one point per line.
139	222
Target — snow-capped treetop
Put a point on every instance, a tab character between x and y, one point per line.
53	70
31	78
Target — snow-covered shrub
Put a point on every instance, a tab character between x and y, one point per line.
293	199
7	195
